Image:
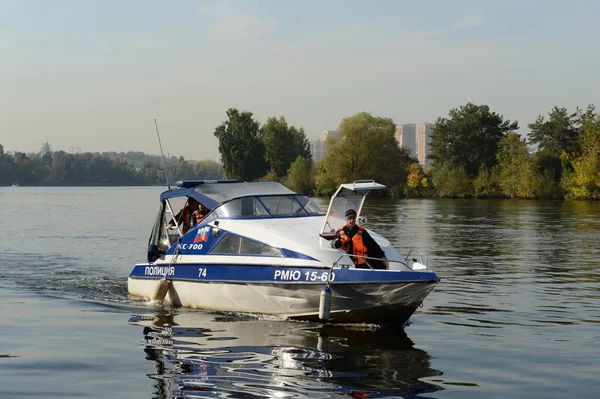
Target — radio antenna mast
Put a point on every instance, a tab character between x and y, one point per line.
163	155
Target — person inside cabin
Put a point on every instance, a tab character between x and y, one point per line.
199	214
191	214
355	240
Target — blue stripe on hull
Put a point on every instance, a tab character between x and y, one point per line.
276	274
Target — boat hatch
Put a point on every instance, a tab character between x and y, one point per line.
347	196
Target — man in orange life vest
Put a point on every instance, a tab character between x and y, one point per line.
355	240
189	216
199	214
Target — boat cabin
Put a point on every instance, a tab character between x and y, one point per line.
224	199
231	199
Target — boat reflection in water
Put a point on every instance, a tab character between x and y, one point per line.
206	355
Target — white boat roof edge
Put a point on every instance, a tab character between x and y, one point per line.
362	185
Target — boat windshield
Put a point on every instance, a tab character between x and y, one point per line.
267	206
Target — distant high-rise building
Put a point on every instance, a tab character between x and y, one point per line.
406	137
317	147
398	135
317	150
327	133
424	131
46	149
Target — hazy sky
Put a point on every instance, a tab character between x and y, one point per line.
95	74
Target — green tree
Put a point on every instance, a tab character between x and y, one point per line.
452	181
561	143
584	181
59	171
283	145
279	151
208	169
300	143
557	134
415	176
364	148
271	175
7	168
469	138
516	168
417	184
301	176
486	183
325	181
548	170
241	146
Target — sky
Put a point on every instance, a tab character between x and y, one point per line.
94	75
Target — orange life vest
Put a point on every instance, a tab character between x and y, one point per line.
185	220
358	246
197	217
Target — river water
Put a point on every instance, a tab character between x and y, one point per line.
516	314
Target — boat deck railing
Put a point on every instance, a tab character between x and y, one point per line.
409	260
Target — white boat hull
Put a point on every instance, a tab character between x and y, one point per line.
351	301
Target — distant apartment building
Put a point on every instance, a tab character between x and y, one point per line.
317	147
327	133
317	150
423	139
406	136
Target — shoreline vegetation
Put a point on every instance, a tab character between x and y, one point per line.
476	153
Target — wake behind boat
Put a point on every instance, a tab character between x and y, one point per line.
264	249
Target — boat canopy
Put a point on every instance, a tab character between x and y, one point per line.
233	199
224	192
211	193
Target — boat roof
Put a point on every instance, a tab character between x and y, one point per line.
211	193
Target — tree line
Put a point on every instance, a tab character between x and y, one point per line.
478	153
475	153
60	168
366	148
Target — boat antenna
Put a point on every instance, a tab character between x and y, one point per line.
163	154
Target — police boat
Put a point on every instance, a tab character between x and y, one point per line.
265	249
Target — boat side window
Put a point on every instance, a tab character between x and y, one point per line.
234	244
211	216
242	207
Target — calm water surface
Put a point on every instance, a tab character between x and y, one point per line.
517	313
